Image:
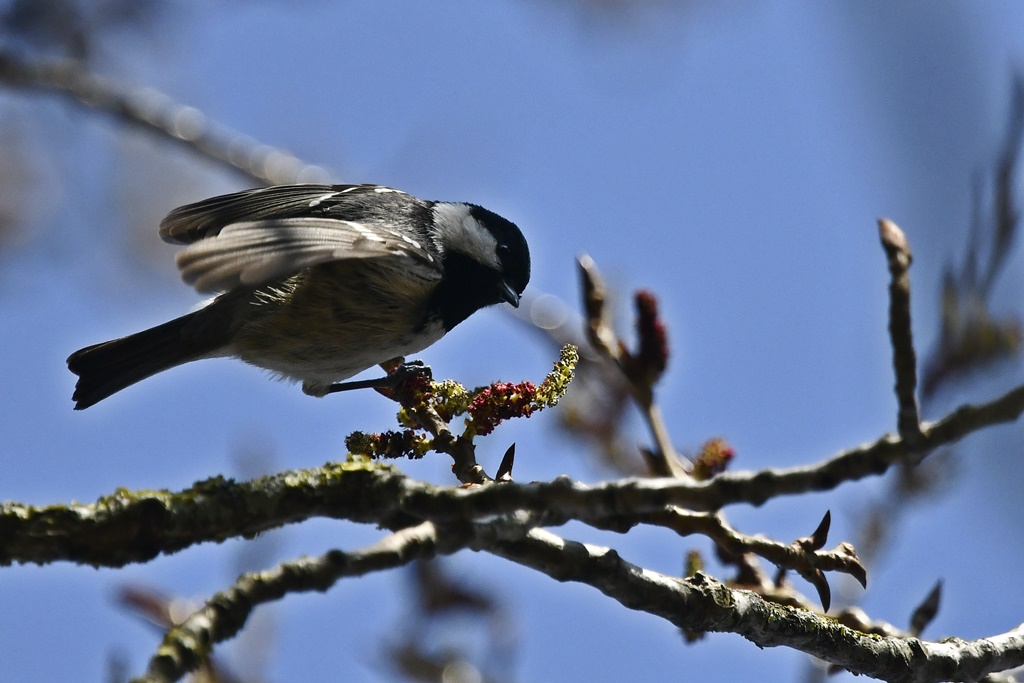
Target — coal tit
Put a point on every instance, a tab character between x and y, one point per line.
317	283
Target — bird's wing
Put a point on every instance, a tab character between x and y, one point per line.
195	222
252	252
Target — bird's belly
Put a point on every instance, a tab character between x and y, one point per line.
331	325
327	358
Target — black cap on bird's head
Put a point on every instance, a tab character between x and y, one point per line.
486	260
512	252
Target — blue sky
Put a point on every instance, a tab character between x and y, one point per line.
731	157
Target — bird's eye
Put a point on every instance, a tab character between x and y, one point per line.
502	250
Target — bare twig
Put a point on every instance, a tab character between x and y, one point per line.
897	250
600	332
797	557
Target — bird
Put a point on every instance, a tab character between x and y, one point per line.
317	283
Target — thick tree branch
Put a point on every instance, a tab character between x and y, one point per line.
131	527
703	604
638	496
134	527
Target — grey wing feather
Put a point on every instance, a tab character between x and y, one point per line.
194	222
250	253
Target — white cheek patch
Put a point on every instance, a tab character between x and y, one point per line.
459	231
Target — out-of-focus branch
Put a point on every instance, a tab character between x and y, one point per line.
595	409
642	369
1006	210
972	336
158	114
702	604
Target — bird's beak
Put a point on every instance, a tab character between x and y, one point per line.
508	294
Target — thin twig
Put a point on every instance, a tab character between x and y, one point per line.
897	251
793	556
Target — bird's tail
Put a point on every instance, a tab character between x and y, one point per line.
104	369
